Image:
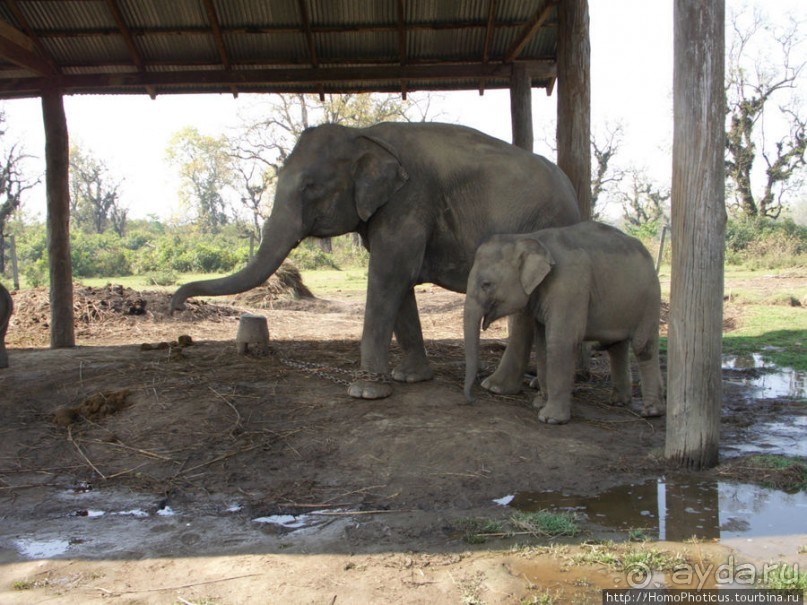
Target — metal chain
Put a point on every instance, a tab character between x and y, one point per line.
332	373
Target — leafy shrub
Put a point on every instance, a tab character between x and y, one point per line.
308	256
162	278
98	255
766	243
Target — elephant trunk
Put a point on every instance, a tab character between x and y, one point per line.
279	238
472	316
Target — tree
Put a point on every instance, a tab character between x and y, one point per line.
605	176
13	183
643	201
754	84
95	201
206	168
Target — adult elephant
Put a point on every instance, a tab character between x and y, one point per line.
423	197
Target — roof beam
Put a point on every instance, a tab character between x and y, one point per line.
21	50
489	29
29	31
213	17
529	31
281	79
402	41
309	36
284	29
134	53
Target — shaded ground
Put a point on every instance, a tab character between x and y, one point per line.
202	441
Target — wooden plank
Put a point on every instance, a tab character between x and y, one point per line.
57	181
574	99
134	53
529	31
694	387
17	48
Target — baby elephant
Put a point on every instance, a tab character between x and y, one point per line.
6	307
588	281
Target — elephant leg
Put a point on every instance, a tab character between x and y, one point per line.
622	388
561	354
388	285
653	400
415	366
507	378
540	367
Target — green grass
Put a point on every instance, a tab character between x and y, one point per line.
324	282
546	523
628	556
778	333
543	524
784	576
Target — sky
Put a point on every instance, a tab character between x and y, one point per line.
631	85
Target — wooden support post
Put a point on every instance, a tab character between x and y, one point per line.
574	99
698	234
57	179
521	106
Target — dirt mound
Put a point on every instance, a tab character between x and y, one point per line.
109	306
114	308
285	284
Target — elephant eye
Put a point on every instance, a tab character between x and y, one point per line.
485	285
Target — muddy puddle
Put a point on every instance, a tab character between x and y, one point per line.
678	509
758	520
763	380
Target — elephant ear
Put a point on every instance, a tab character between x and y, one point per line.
378	175
536	263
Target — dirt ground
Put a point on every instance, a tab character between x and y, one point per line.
145	455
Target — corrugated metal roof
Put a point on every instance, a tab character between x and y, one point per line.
160	46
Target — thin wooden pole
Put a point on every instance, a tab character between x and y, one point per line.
574	99
521	107
57	179
698	233
15	274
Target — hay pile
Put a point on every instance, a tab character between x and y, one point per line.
285	284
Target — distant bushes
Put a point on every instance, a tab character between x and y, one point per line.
162	253
755	244
766	244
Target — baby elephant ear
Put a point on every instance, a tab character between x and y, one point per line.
536	263
378	174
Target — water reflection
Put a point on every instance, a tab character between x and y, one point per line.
771	382
676	508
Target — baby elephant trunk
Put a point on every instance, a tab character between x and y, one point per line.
472	316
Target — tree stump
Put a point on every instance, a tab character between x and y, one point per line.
253	334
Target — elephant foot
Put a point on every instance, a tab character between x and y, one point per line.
554	414
539	401
619	399
413	371
652	410
502	384
365	389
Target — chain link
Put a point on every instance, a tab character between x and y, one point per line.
332	373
